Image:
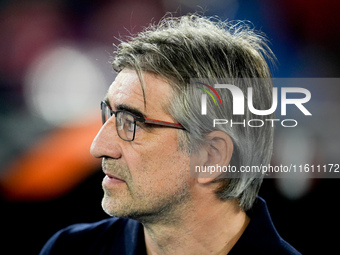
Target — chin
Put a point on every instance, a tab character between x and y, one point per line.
115	208
110	207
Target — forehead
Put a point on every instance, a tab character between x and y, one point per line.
127	90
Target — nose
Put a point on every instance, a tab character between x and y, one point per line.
106	142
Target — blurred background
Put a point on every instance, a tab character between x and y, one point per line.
55	68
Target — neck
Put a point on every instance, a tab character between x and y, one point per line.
213	227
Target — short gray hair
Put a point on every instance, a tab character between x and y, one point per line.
193	46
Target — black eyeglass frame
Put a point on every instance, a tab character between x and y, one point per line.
136	118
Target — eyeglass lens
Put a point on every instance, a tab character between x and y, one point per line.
126	126
125	122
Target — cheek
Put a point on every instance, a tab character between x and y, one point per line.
161	167
156	150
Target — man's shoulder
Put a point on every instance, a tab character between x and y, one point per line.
111	226
95	238
261	236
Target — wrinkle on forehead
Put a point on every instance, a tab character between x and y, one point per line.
124	86
128	86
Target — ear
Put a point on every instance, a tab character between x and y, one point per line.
218	152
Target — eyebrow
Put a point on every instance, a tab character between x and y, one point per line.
124	107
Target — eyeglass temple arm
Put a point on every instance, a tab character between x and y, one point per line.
163	123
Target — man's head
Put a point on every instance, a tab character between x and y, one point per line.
155	68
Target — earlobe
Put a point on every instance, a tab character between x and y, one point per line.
219	150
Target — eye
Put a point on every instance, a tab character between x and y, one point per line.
129	125
128	122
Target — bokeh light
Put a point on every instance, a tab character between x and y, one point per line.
63	84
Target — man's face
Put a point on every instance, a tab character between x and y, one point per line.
149	176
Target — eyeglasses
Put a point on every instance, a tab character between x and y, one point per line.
126	122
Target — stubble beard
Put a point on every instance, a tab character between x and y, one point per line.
146	207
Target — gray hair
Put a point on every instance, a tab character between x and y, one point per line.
193	46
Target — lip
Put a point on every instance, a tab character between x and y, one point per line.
111	179
112	176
